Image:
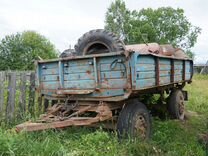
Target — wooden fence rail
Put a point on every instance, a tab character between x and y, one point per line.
17	94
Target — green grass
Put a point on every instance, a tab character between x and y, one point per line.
170	137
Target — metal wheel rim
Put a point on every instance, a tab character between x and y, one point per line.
181	106
140	127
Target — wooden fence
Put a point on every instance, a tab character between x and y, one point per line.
17	94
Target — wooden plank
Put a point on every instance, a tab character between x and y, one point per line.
157	71
145	83
79	69
79	84
2	78
11	96
172	71
79	76
184	70
22	97
31	94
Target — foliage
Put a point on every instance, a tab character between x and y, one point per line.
18	51
118	18
170	137
164	25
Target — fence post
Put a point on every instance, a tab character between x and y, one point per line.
2	77
22	98
11	96
32	94
40	101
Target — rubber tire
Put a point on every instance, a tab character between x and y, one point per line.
65	54
98	37
123	119
173	104
127	120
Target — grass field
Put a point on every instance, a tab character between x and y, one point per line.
170	137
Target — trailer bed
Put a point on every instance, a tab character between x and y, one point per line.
111	76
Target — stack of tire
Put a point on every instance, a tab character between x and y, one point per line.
96	42
102	41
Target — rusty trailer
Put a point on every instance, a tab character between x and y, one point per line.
107	89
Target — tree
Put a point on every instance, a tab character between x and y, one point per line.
117	19
164	25
18	51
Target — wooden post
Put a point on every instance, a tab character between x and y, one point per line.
31	94
11	96
40	101
46	104
22	98
2	78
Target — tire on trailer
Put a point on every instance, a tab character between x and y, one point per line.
98	41
64	54
134	121
176	104
67	53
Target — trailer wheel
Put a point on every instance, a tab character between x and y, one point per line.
98	41
134	121
176	104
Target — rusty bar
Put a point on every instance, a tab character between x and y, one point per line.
80	111
172	71
81	121
65	91
157	71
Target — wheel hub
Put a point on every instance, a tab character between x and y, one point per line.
181	105
140	127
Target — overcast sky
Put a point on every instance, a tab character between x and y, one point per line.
64	21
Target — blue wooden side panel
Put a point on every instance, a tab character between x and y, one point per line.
164	71
145	74
144	71
188	66
110	75
178	70
49	75
112	72
79	74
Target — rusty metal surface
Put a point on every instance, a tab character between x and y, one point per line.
160	50
60	116
66	91
145	48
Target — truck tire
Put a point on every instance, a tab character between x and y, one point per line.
98	41
64	54
176	104
123	119
134	121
